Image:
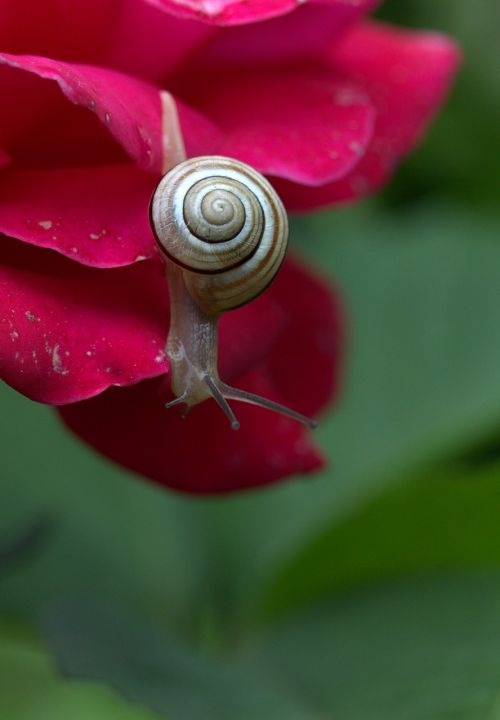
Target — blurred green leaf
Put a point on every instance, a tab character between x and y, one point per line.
423	650
30	689
444	519
99	641
111	531
415	650
25	544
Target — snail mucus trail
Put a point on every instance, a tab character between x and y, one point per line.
223	233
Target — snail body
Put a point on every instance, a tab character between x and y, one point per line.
223	233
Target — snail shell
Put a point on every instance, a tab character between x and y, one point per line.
223	223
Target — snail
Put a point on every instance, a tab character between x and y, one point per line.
223	232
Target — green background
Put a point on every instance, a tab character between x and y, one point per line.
371	591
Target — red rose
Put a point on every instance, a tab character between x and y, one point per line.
321	100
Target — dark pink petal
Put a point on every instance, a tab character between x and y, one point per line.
248	335
68	332
301	125
225	12
236	12
129	35
130	108
285	345
45	131
34	101
200	454
200	135
297	37
5	158
74	29
295	329
306	359
149	43
407	76
95	215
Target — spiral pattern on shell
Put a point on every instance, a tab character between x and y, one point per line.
222	222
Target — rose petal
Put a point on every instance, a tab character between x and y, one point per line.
149	43
296	363
42	132
292	124
68	332
27	125
297	37
199	135
305	364
130	36
295	328
96	215
76	29
406	75
225	12
235	12
42	129
5	158
200	454
264	319
130	108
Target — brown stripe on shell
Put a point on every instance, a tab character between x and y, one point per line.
228	290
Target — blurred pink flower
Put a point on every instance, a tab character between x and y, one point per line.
321	100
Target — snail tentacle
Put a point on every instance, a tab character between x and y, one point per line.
177	401
223	233
219	396
244	396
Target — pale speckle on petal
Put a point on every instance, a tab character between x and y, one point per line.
29	315
344	97
57	365
356	147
